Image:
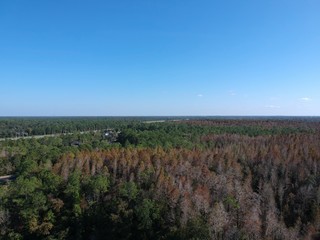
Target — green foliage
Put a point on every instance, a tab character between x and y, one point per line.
129	191
29	204
147	212
99	184
72	192
96	187
204	179
195	229
231	202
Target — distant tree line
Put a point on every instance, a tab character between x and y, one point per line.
31	126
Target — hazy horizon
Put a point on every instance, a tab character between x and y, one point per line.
164	116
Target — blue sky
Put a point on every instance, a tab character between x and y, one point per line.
161	57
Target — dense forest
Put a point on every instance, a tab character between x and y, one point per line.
32	126
211	178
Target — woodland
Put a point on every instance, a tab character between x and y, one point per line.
197	178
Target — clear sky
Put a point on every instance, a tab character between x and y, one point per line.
159	57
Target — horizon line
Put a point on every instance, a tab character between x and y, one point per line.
53	116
